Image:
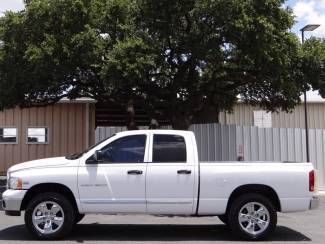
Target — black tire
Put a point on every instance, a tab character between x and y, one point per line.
78	218
224	219
234	212
68	220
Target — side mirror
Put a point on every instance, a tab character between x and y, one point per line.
98	156
95	158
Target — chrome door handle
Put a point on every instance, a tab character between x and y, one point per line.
135	172
184	172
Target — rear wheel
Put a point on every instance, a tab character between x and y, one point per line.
49	216
252	217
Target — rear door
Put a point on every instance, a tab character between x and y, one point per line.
170	181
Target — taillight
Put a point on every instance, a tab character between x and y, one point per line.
312	180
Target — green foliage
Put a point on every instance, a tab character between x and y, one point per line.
183	55
312	65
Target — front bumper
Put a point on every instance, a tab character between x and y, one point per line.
12	199
314	202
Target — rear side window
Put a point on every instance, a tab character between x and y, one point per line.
168	148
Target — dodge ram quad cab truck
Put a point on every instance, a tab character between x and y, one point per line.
155	172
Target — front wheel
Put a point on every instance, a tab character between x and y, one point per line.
252	217
49	216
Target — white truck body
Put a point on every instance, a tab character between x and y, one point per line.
172	188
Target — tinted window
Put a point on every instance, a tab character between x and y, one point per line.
169	148
129	149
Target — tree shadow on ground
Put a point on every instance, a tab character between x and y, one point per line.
154	232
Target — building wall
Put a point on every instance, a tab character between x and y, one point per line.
71	128
243	115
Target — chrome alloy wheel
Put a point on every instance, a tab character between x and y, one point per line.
48	217
254	218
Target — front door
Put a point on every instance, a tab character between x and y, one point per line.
170	184
116	182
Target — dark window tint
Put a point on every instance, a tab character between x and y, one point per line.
129	149
169	148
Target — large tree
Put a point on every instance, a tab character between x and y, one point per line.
311	65
184	56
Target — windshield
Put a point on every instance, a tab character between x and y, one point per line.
78	155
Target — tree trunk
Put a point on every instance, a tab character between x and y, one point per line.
130	122
154	124
181	121
153	115
208	114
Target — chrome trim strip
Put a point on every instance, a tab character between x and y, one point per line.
170	202
105	201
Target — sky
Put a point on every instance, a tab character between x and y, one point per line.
308	12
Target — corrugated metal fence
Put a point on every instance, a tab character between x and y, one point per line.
230	142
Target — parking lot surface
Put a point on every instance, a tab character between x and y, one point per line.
304	227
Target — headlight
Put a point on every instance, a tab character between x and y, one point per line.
15	183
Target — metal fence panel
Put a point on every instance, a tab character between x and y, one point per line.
261	144
218	142
269	146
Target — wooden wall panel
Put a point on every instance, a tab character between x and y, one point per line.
41	122
92	124
55	132
71	128
64	129
17	120
49	123
32	154
2	147
243	115
66	123
22	135
79	127
9	120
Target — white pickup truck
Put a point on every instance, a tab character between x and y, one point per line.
155	172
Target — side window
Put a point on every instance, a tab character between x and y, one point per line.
129	149
168	148
37	135
8	135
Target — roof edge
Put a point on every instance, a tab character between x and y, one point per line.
77	100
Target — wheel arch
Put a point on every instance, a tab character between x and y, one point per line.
264	190
49	187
